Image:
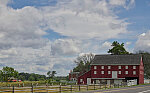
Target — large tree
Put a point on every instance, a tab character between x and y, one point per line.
117	49
51	74
8	72
83	62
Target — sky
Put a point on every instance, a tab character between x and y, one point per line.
41	35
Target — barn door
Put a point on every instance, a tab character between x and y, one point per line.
114	74
88	81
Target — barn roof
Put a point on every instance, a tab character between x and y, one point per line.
116	60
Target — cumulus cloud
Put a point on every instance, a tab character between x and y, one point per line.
66	47
85	19
143	42
24	47
125	3
105	46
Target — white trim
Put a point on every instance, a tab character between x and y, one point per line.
115	64
102	67
102	72
134	67
95	67
119	72
109	72
126	72
109	67
126	67
134	72
107	78
119	67
95	72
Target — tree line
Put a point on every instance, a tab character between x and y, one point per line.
9	73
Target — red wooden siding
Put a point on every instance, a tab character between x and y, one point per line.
141	73
114	68
84	77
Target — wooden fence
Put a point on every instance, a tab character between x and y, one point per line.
58	88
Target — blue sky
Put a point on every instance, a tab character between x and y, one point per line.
43	35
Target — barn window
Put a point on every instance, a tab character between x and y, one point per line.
95	67
95	72
109	72
109	67
134	72
134	67
119	67
119	72
126	72
102	72
126	67
102	67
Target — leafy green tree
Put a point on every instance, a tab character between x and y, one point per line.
8	72
21	77
51	74
1	75
28	76
83	62
117	49
31	78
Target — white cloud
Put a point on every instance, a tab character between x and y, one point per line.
125	3
143	42
4	2
23	47
104	47
66	47
85	19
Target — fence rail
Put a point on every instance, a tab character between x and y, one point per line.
58	88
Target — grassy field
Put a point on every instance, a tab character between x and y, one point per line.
22	84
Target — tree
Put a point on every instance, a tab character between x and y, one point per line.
30	76
117	49
83	62
51	74
8	72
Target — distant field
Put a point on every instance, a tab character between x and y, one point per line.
23	83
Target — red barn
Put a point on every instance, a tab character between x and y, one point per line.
110	69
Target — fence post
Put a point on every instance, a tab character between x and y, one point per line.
71	88
47	87
100	86
32	88
60	88
13	91
79	87
118	85
87	87
94	86
110	86
105	86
